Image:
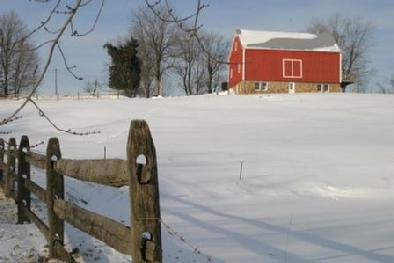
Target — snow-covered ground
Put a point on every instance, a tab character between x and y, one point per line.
317	174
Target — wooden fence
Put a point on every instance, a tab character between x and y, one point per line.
142	241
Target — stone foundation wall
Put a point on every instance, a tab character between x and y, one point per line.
247	87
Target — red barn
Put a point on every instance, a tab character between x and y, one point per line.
281	62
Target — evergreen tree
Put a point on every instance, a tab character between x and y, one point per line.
124	70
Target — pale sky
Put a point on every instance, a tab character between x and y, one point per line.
223	16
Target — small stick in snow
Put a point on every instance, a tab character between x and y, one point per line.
287	238
240	172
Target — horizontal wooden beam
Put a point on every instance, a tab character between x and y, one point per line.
36	190
37	221
36	159
113	233
107	172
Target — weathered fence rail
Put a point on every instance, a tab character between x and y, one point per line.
141	240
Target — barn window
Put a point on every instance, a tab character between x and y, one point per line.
323	88
231	73
239	68
260	86
235	46
292	68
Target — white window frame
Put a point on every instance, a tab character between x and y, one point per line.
261	85
293	85
292	60
328	88
319	86
322	87
256	83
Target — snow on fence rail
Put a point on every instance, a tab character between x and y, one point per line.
142	241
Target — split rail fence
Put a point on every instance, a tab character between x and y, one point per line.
142	240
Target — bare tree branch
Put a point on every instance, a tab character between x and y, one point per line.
41	45
54	44
69	131
170	16
43	23
75	32
192	27
68	68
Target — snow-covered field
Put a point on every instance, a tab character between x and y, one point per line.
317	174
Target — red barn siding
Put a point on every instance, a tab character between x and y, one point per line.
269	65
236	65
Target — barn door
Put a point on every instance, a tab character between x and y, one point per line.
291	87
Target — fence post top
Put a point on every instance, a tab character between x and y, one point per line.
140	142
139	131
53	148
24	141
12	142
138	124
53	140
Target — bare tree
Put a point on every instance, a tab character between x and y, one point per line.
146	61
216	49
93	86
25	69
18	62
155	36
386	86
199	76
354	37
198	62
211	46
186	56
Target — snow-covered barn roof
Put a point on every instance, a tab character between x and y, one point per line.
286	40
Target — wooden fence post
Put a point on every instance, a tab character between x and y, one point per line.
10	169
2	149
144	194
55	190
23	194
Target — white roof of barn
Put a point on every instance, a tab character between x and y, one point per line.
287	40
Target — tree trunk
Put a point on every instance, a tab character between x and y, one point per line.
146	90
158	86
210	75
5	84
